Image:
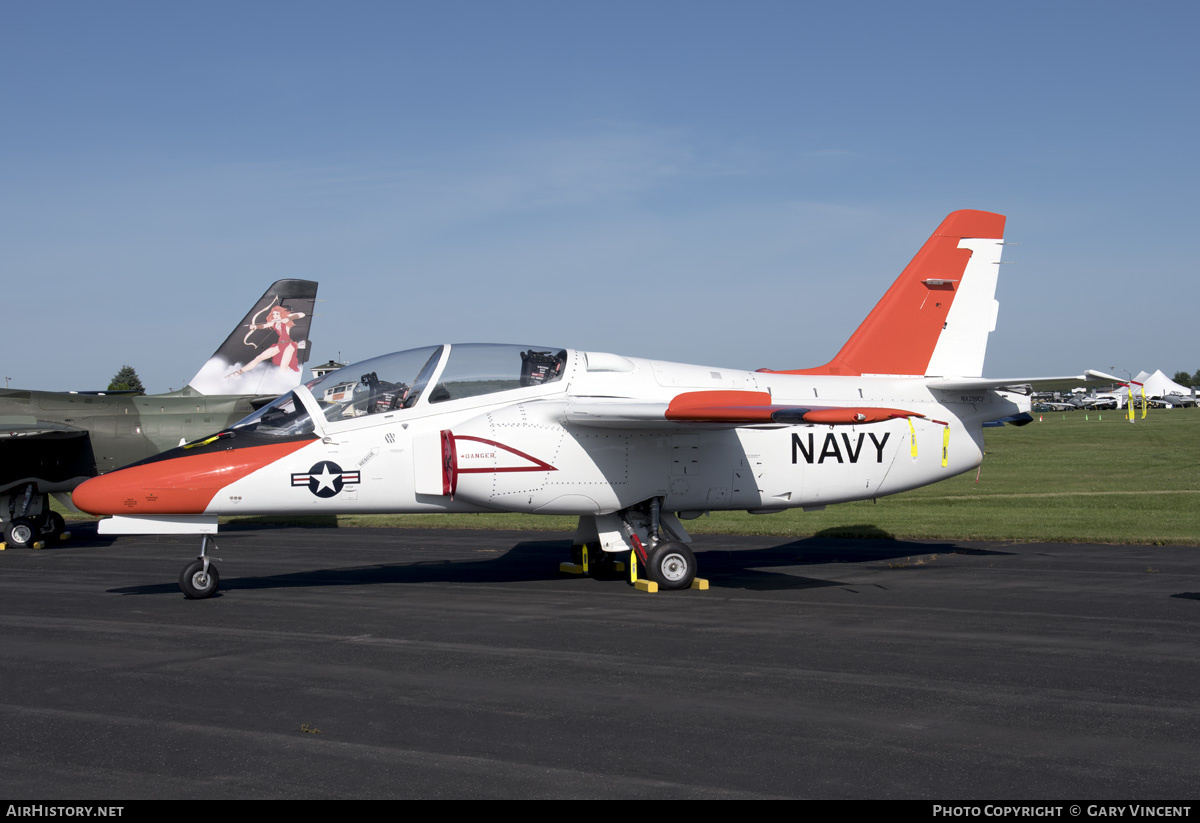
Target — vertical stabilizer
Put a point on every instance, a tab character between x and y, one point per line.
935	318
266	352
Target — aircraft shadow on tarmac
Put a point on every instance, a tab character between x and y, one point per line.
82	532
755	569
750	568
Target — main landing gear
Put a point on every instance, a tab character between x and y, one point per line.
671	565
199	579
651	539
28	522
22	533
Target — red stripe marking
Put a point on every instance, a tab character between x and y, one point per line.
539	465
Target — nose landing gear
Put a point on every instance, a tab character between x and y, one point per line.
200	579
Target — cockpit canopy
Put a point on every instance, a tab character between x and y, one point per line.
401	380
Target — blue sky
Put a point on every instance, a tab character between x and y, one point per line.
732	184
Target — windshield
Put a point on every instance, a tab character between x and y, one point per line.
285	416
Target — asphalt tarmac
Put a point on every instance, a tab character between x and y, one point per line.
390	663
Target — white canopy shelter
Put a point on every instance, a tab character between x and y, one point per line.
1157	385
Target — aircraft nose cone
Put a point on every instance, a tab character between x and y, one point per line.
101	495
177	485
157	488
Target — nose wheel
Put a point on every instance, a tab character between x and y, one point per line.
200	579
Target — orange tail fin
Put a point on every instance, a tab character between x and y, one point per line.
936	316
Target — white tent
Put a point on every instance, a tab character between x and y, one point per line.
1157	385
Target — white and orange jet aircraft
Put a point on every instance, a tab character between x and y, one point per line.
633	447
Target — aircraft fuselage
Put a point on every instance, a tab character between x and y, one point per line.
542	449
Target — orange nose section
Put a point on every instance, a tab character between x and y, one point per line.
181	485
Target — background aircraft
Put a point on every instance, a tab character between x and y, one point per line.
50	442
1174	400
633	447
1079	400
1059	405
1108	400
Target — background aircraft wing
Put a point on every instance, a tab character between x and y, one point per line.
718	409
54	456
32	427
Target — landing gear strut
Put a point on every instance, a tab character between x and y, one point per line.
52	525
199	579
647	536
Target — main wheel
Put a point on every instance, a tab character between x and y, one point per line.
671	565
195	583
20	533
52	525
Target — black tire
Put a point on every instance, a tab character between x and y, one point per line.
193	582
599	557
21	533
52	525
671	565
601	562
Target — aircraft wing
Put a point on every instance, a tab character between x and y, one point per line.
976	383
717	409
23	426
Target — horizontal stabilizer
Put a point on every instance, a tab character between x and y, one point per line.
1022	419
976	383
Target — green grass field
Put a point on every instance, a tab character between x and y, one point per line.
1090	477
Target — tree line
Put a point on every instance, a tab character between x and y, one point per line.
1185	379
127	380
